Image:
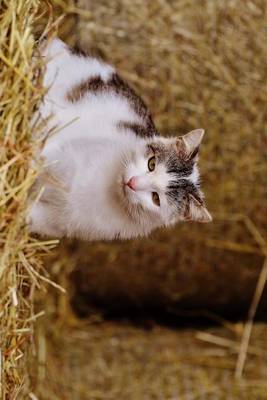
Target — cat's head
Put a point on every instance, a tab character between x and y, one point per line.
161	183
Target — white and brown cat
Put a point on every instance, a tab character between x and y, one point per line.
108	173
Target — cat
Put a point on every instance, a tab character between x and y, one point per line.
107	173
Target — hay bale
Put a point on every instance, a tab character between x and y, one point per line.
20	255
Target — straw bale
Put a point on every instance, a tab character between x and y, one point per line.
20	255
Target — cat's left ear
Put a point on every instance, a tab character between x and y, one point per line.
189	143
197	211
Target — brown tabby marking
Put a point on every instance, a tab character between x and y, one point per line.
116	84
77	51
138	129
124	90
94	84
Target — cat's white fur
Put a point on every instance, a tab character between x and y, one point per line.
88	162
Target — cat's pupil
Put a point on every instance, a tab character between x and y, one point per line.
155	198
152	163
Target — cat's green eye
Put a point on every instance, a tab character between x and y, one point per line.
155	198
151	163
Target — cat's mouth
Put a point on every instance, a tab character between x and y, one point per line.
122	186
125	189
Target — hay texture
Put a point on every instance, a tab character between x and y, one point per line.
20	255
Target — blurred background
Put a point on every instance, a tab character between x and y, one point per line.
163	317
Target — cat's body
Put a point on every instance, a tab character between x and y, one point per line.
108	174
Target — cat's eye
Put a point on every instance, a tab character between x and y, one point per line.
151	163
155	198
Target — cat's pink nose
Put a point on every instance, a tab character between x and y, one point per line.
132	183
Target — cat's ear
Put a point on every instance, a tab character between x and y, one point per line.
189	143
197	211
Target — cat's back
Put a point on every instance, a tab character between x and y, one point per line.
90	93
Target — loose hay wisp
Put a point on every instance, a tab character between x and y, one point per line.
20	255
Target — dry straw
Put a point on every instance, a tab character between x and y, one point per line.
20	255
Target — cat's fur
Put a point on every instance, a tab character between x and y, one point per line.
96	180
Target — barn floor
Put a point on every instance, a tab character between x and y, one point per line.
102	360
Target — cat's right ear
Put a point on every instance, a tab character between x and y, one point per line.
188	144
